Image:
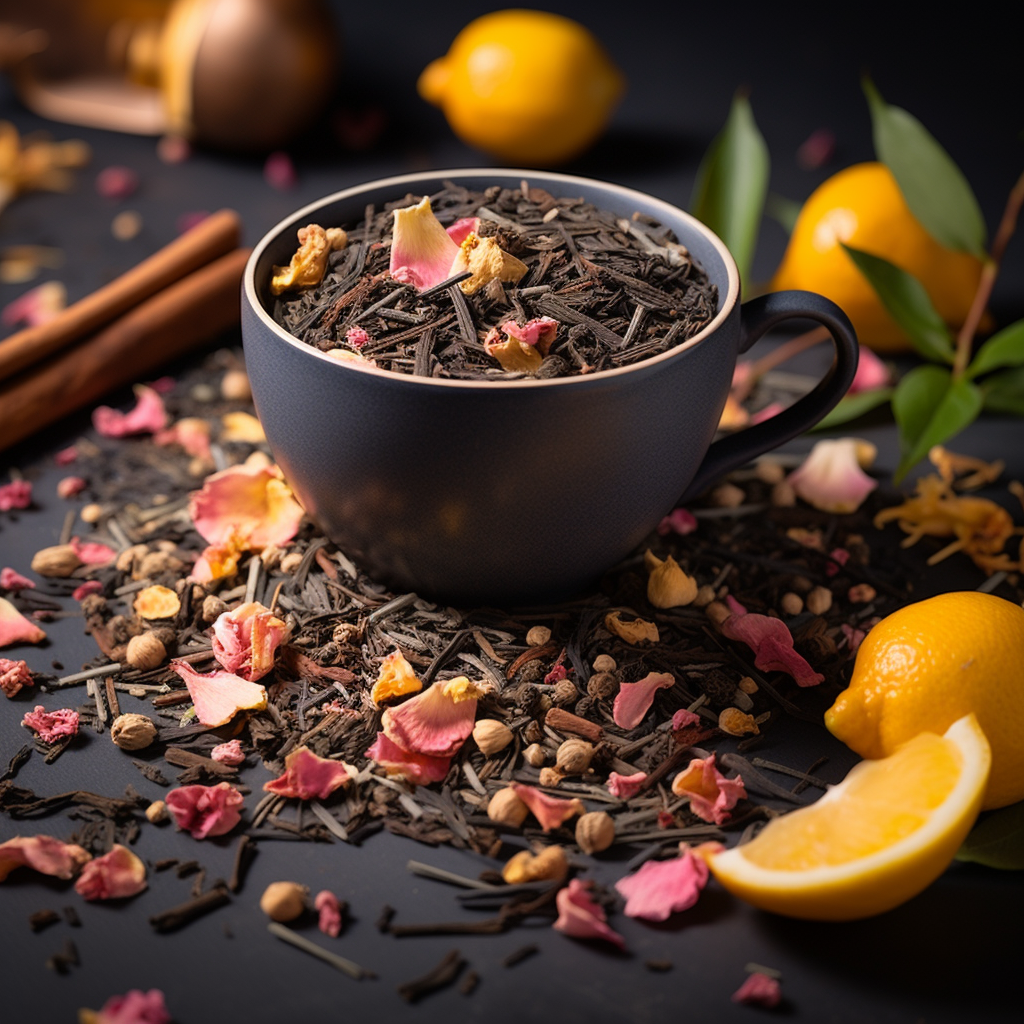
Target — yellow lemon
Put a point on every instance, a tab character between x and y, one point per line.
863	207
932	662
885	833
527	87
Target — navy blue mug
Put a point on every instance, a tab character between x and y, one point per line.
522	490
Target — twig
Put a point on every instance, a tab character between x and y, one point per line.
353	970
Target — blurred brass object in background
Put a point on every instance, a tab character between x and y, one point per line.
232	74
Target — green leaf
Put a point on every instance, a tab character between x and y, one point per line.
852	407
934	187
782	210
997	841
732	183
1004	392
1003	349
931	407
909	304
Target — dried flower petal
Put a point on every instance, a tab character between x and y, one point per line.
396	678
116	875
49	726
667	585
134	1007
44	854
683	718
966	471
435	722
463	228
70	486
92	552
662	888
308	777
550	811
549	864
422	252
711	794
680	521
15	628
734	722
219	696
206	810
14	581
309	261
625	786
486	261
117	182
279	171
148	416
421	769
192	433
772	644
16	494
157	602
245	640
242	427
13	676
83	590
759	990
329	909
871	373
831	478
511	354
36	306
229	753
634	700
580	917
637	631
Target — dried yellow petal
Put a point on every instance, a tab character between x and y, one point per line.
395	679
157	603
309	262
636	632
487	262
243	427
736	722
668	586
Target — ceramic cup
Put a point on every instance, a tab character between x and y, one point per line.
526	490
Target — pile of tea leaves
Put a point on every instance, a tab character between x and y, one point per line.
622	290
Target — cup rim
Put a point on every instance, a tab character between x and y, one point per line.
402	181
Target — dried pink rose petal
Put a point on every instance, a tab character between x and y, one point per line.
13	676
463	228
766	413
135	1007
15	628
117	182
51	725
36	306
329	909
817	149
219	696
422	252
246	639
16	494
683	718
711	794
279	172
662	888
357	337
435	722
759	990
679	520
831	478
582	918
191	433
421	769
625	786
69	486
550	811
634	700
85	589
148	416
854	636
66	456
229	753
44	854
308	777
116	875
838	557
92	552
772	644
539	332
871	373
206	810
14	581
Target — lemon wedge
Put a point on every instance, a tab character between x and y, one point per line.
879	837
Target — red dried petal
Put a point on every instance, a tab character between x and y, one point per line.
14	581
711	794
116	875
329	909
421	769
219	696
759	990
550	811
13	676
50	726
679	520
625	786
634	700
135	1007
431	723
148	416
246	639
206	810
44	854
662	888
15	629
16	494
308	777
86	588
229	753
772	644
92	552
582	918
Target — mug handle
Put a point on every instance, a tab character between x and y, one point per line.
757	317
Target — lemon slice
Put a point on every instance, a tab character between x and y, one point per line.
887	831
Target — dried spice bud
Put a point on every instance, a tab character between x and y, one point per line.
145	652
535	755
131	731
57	562
861	593
550	777
346	632
533	733
705	595
157	812
791	604
602	685
213	608
819	600
604	663
717	612
506	808
538	636
574	757
783	495
491	736
550	864
727	496
284	901
595	831
235	387
565	693
736	723
747	685
291	562
158	562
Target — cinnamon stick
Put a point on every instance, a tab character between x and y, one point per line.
209	239
189	312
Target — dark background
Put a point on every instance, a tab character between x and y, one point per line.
948	955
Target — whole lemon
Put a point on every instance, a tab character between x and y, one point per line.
863	207
929	664
527	87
